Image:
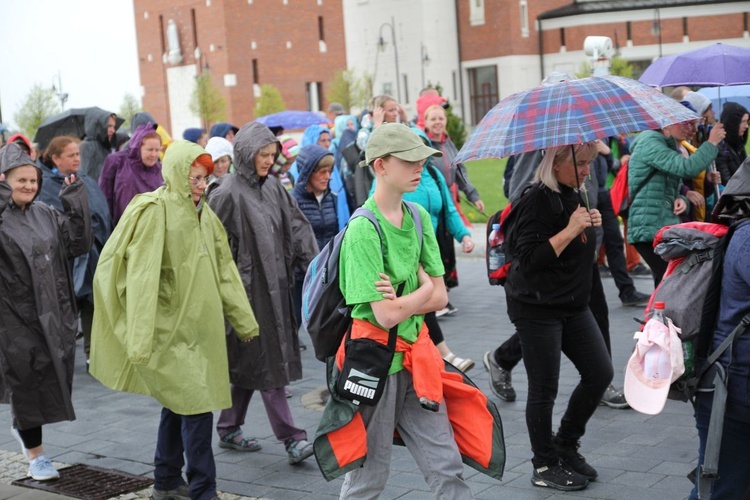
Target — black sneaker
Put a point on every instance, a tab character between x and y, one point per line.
569	456
559	477
604	271
640	271
634	299
501	382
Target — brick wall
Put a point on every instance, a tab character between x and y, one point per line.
230	27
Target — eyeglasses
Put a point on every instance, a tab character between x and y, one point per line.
198	180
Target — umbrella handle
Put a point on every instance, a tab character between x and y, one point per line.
717	194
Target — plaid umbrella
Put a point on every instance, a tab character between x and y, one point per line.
570	112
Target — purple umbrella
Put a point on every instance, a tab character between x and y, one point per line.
711	66
292	119
570	112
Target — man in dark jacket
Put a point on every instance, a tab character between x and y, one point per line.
100	127
269	237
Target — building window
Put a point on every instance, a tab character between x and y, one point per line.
256	80
406	89
628	31
524	9
314	91
476	12
195	28
162	34
562	39
685	36
483	91
455	95
744	21
321	33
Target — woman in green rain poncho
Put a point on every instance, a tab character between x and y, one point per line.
164	284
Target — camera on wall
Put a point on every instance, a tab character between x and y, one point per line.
600	52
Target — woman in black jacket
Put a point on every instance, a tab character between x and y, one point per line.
732	151
553	244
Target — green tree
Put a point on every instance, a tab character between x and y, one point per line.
349	90
207	102
129	107
40	104
270	101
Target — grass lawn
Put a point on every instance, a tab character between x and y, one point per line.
487	177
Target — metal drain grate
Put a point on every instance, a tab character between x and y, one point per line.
89	483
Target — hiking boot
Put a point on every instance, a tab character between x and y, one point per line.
500	380
41	469
640	271
634	299
179	493
298	451
569	457
236	441
614	399
559	477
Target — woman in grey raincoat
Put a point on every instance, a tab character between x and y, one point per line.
38	319
269	237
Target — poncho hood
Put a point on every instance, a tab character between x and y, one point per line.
312	134
251	138
95	125
12	156
136	141
176	168
308	158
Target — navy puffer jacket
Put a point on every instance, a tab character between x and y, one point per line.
322	215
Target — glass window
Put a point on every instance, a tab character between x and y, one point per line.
483	91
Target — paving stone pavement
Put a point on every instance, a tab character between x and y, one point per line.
637	456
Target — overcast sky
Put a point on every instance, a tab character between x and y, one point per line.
90	42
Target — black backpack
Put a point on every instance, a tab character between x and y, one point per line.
325	315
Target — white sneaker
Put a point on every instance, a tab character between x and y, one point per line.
442	312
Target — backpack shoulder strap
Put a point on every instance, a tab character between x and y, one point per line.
417	217
369	215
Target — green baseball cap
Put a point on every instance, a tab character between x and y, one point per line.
397	140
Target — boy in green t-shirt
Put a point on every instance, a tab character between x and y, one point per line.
369	273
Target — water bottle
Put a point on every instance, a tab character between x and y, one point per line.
496	254
658	313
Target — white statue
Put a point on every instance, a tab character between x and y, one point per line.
175	53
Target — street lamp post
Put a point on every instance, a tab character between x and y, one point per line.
63	96
424	60
656	29
381	45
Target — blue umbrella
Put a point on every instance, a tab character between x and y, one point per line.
292	119
721	95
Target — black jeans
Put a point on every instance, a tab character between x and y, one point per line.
657	264
32	438
509	354
542	342
614	245
436	333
